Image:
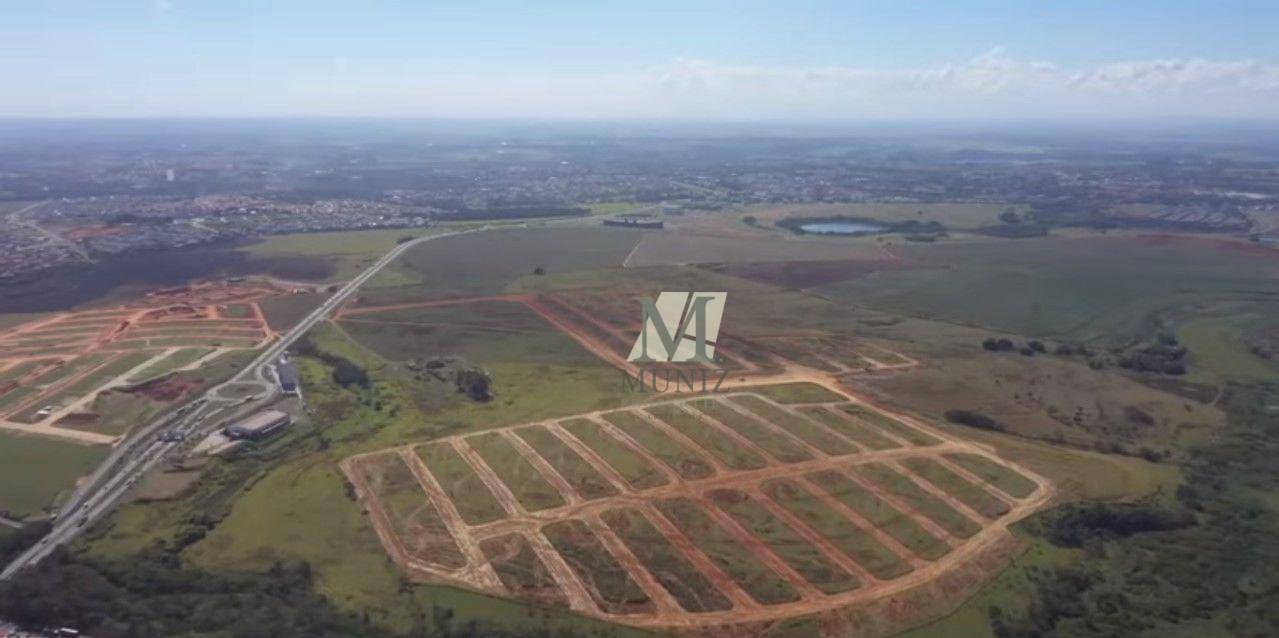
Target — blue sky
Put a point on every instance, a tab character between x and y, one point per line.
689	60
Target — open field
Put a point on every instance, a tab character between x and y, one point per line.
344	253
34	470
745	542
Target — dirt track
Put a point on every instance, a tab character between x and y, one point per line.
668	614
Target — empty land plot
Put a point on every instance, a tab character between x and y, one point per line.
857	431
996	474
799	393
812	433
913	435
918	499
855	542
899	525
777	444
713	440
784	541
85	384
178	359
959	487
68	368
34	470
686	583
628	463
607	582
193	341
409	512
521	571
684	461
589	483
527	484
731	556
16	396
18	370
474	502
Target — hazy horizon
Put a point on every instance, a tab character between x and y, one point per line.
808	62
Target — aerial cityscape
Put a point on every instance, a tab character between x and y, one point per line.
691	320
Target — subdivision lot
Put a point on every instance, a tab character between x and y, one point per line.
599	512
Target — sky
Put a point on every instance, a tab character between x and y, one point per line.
681	60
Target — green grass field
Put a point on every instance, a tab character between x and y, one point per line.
901	527
735	559
680	458
34	471
1006	480
524	481
687	585
778	445
180	358
626	462
810	432
469	494
805	559
346	252
858	544
919	500
962	489
728	451
856	432
576	471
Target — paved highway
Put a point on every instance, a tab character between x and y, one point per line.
99	493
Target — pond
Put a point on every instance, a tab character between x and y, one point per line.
842	228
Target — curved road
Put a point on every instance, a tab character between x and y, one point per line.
144	448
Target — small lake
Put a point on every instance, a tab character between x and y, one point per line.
842	228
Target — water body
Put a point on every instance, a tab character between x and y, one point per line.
842	228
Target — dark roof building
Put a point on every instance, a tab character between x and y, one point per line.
259	426
288	377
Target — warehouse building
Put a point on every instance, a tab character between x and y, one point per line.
259	426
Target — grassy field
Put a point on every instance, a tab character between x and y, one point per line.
901	527
687	585
860	434
1006	480
685	462
469	494
1100	289
85	385
914	436
610	586
962	489
411	514
728	451
347	252
34	471
178	359
813	434
521	571
805	559
733	558
626	462
779	446
524	481
576	471
842	533
919	500
464	265
797	393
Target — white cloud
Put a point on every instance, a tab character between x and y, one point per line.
162	6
